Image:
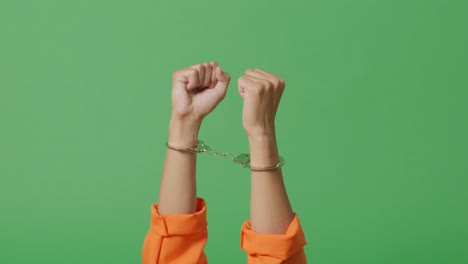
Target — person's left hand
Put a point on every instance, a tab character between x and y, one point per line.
262	93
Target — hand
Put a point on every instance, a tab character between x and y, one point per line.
261	92
197	90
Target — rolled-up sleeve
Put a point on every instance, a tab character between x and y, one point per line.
174	239
268	248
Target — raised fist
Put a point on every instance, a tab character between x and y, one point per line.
197	90
261	92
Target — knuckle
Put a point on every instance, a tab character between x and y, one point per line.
192	71
282	82
266	84
277	82
243	78
178	73
198	67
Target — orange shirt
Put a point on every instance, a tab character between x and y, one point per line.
180	239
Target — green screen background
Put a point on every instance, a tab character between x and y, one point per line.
373	124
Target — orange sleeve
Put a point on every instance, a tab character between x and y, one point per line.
286	248
175	239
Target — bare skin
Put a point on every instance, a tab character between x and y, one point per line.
270	210
196	92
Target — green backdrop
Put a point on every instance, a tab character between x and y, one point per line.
373	124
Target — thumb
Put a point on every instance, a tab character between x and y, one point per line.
186	79
223	80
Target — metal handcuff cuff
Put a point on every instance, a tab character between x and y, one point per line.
243	158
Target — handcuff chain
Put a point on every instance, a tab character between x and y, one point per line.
243	158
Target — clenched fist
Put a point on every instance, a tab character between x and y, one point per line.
261	92
197	90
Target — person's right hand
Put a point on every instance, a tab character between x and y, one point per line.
197	90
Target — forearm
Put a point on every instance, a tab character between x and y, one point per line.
178	221
177	193
270	210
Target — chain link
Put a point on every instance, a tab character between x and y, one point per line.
242	158
226	155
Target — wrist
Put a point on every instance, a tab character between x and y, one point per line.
263	150
183	132
260	132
